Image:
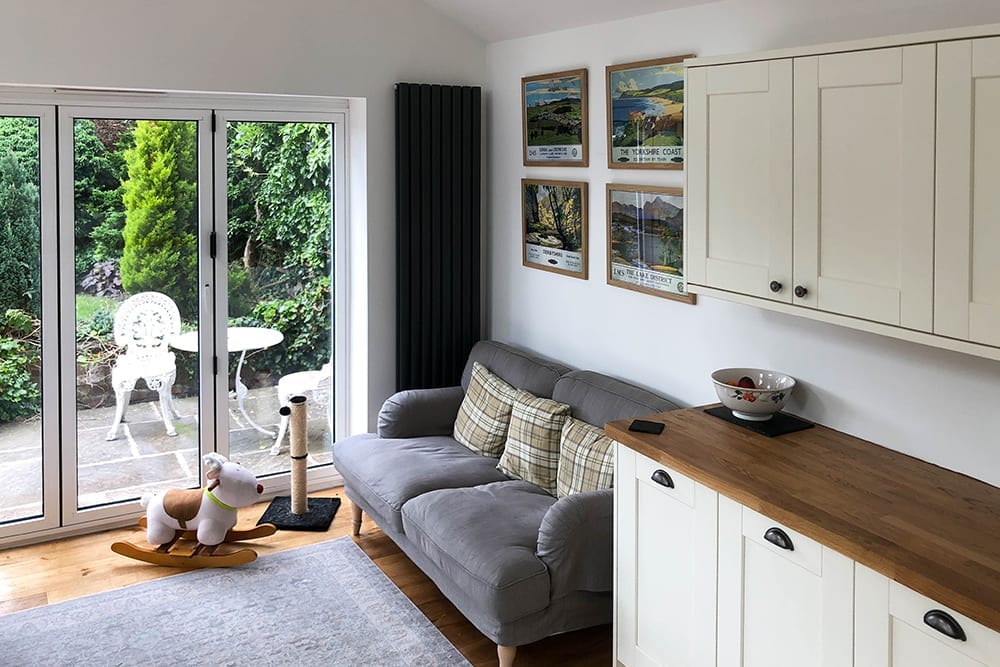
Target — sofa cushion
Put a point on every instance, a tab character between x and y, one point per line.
586	459
484	416
598	399
516	367
484	539
532	449
385	473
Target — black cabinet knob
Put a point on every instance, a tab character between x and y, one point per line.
779	538
662	477
800	291
944	623
775	286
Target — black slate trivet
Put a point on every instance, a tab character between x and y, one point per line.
779	424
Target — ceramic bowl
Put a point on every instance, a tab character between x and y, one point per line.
769	394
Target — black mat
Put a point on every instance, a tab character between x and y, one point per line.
319	514
779	424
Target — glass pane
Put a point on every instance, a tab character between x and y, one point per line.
136	263
280	280
20	325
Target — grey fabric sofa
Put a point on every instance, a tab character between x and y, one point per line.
518	563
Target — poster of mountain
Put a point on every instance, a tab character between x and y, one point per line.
554	226
646	240
554	124
646	114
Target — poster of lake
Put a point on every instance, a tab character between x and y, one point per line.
647	114
646	231
555	118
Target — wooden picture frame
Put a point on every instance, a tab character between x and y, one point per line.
646	240
554	119
554	226
645	103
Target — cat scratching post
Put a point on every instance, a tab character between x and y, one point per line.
298	512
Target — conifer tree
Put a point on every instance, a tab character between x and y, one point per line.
20	285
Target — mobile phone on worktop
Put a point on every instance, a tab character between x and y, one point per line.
644	426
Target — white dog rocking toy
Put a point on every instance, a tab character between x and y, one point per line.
206	515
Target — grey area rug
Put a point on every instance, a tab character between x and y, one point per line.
324	604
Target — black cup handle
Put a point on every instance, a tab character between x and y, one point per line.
944	623
662	477
779	538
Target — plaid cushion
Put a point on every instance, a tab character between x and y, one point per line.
484	416
532	449
586	459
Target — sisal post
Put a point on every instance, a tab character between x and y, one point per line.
298	431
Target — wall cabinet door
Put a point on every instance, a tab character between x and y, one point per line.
738	122
665	542
891	631
967	287
784	599
864	184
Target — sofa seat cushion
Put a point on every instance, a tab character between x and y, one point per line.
385	473
484	540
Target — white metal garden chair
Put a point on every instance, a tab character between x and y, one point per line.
297	384
144	324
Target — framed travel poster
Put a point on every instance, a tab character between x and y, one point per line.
554	119
554	226
646	240
646	114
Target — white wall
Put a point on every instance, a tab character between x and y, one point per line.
936	405
338	48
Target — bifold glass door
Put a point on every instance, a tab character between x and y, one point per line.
136	214
29	475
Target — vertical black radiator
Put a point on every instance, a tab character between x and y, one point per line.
438	192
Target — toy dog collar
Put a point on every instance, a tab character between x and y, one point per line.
215	499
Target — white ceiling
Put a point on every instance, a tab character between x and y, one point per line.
497	20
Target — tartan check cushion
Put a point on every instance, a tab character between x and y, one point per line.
586	459
484	416
532	449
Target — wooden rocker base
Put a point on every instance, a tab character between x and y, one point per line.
171	555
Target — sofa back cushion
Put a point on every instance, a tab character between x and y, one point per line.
521	369
532	449
484	416
598	399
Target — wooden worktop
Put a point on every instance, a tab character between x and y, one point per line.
931	529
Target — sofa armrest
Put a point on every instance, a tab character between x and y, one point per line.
418	412
575	542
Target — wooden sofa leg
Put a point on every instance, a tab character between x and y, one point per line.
356	518
506	655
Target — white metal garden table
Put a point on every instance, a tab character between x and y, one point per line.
242	340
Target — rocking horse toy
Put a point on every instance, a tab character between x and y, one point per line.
206	515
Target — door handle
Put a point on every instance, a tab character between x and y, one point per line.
662	477
944	623
779	538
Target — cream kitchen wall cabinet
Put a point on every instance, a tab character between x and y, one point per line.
852	184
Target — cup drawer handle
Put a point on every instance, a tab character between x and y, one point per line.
779	538
944	623
662	477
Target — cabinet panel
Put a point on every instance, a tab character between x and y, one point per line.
739	184
864	197
967	288
780	607
665	566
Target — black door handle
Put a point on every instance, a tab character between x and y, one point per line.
944	623
662	478
775	286
779	538
800	291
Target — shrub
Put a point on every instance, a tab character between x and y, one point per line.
20	285
19	365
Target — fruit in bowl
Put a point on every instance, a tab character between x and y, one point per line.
753	394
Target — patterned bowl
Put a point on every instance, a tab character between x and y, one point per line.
768	394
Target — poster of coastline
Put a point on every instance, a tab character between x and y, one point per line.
646	114
554	125
554	226
646	240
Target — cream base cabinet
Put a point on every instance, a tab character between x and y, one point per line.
784	600
898	627
665	544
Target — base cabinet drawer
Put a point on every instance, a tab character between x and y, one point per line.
665	527
898	627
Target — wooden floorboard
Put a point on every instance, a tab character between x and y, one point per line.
45	573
